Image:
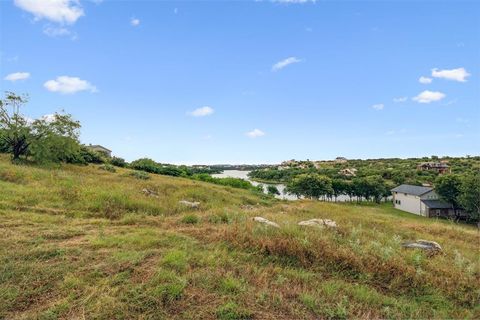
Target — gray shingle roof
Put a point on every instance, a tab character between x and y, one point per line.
437	204
413	190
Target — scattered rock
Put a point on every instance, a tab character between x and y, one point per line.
318	223
150	193
190	204
247	207
266	221
422	244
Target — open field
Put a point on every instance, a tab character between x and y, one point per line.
80	242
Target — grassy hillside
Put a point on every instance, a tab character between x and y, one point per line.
80	242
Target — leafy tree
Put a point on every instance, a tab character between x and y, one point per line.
16	132
53	138
273	190
310	185
469	197
448	188
339	187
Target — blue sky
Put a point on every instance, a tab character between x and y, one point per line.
251	81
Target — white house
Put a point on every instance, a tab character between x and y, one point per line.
415	199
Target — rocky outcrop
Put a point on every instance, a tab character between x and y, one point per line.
318	223
194	204
423	244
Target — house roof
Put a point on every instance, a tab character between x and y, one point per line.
99	147
437	204
413	190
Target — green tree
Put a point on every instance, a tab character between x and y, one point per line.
339	187
16	132
52	138
469	197
312	186
271	189
448	188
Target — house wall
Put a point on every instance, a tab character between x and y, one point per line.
409	203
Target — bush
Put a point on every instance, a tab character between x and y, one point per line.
148	165
140	175
190	219
118	162
231	182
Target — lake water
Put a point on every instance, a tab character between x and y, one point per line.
244	175
281	187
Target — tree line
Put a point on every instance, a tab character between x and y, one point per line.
317	186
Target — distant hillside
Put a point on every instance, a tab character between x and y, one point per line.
82	242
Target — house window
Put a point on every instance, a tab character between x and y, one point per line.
437	212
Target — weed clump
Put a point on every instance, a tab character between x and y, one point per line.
190	219
231	311
108	167
141	175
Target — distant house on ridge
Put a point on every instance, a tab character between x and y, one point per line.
100	149
440	167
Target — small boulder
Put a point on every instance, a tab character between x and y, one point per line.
150	193
190	204
422	244
266	222
318	223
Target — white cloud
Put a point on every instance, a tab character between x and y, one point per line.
378	106
134	22
17	76
56	32
68	85
282	64
60	11
390	132
400	99
255	133
425	80
459	74
201	112
429	96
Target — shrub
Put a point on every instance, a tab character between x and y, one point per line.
118	162
190	219
140	175
231	182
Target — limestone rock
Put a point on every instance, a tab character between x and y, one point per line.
318	223
190	204
423	244
266	222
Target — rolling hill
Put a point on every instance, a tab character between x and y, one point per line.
81	242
